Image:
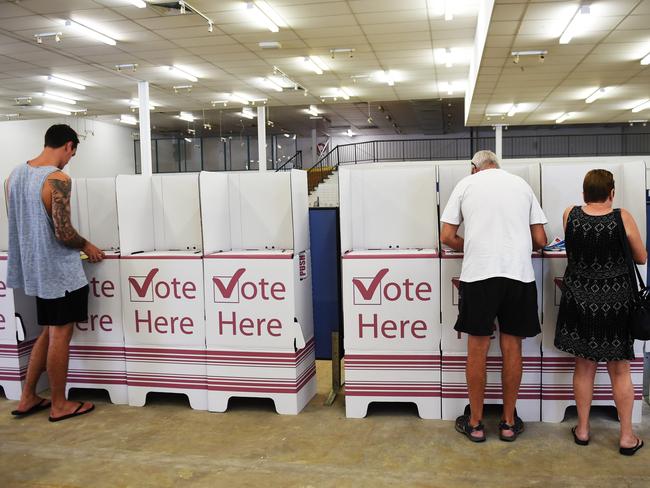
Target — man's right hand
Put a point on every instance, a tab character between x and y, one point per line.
95	255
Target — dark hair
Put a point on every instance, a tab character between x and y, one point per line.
59	135
598	185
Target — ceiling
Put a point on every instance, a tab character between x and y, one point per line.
606	53
403	37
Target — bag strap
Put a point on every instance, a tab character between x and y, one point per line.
633	270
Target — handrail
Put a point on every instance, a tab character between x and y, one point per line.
295	161
461	148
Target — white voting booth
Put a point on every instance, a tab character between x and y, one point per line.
161	276
561	187
258	295
454	344
97	357
18	326
390	273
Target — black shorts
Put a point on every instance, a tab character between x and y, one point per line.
73	307
512	302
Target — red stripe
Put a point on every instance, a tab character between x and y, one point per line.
389	256
249	256
555	255
135	256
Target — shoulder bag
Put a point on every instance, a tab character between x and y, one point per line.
640	310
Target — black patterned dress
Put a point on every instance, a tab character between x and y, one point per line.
593	317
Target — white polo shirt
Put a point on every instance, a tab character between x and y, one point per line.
498	209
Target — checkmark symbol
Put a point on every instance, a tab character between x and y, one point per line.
226	290
367	293
141	291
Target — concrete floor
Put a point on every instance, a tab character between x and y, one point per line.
167	444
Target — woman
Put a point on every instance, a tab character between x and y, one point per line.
593	318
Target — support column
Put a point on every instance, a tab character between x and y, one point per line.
146	166
314	148
261	137
499	140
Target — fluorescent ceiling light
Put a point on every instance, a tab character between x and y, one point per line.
449	10
92	33
343	93
238	97
315	64
642	106
66	82
313	111
135	103
577	24
182	73
59	98
513	110
388	77
247	113
596	95
282	81
186	116
264	14
646	60
563	117
55	109
128	119
187	139
138	3
446	87
273	85
349	133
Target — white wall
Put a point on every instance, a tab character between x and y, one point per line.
108	152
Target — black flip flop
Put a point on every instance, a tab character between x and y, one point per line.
463	426
577	440
42	405
516	428
631	451
76	413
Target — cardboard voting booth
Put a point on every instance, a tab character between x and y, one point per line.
97	358
561	188
161	277
258	295
454	344
18	326
391	295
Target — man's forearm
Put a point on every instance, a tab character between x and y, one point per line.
64	232
456	242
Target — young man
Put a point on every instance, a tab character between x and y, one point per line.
44	261
503	224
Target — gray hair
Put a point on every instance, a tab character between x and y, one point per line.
483	159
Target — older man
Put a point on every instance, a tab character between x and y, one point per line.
503	224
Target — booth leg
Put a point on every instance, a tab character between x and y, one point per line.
336	370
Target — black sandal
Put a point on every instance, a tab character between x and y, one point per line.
631	451
577	440
517	428
463	426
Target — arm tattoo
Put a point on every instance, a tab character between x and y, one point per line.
63	229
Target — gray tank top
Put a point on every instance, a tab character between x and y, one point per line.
38	262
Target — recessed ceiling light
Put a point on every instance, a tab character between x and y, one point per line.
646	60
138	3
89	32
59	98
315	64
239	98
65	81
186	116
56	109
577	24
313	111
642	106
513	110
596	95
247	113
564	117
389	77
270	45
265	15
181	72
272	84
135	103
128	119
